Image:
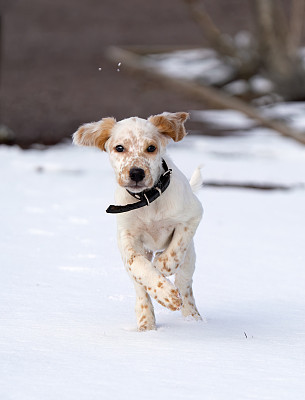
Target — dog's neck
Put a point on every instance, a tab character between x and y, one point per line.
147	196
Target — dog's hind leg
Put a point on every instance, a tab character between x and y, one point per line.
183	281
144	309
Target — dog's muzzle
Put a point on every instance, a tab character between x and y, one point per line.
147	196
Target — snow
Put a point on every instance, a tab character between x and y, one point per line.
228	119
237	87
260	84
195	64
291	113
205	66
67	328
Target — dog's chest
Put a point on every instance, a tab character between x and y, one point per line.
156	235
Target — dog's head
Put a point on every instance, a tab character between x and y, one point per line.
135	145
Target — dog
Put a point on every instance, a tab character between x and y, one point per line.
157	211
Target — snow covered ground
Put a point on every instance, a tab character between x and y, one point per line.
67	324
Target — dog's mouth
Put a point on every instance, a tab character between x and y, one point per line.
136	187
137	181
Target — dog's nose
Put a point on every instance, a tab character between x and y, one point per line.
136	174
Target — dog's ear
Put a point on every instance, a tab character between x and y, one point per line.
94	133
170	124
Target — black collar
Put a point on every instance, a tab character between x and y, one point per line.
147	196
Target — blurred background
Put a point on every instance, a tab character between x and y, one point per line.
56	74
52	51
66	328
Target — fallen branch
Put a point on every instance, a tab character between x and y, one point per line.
255	186
215	98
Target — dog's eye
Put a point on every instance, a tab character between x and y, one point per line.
119	148
151	149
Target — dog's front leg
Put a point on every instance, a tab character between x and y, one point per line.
170	260
144	309
143	273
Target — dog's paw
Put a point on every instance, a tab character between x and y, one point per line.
146	318
175	302
189	311
194	316
166	294
146	326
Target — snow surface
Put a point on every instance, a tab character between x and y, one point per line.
196	64
224	119
292	113
67	327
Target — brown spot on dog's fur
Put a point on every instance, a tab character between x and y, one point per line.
175	300
163	259
131	259
143	327
124	175
135	278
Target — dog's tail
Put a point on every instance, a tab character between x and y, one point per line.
196	180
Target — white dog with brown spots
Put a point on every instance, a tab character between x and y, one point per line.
159	213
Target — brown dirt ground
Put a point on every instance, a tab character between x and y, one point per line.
52	51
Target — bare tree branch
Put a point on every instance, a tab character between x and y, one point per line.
280	22
213	97
272	51
245	62
295	26
281	65
213	34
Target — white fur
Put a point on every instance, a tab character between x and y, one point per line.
155	241
196	181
